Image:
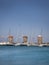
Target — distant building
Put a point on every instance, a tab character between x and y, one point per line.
40	39
10	39
25	39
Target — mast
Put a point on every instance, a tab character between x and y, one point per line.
41	32
9	32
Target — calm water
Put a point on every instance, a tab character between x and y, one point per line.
21	55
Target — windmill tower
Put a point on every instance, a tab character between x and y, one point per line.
10	37
25	39
40	38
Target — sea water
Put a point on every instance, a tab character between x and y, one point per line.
23	55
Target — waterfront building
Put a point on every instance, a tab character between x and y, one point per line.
40	39
10	39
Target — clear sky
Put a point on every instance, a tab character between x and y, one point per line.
24	17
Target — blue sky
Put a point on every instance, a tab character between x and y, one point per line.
24	17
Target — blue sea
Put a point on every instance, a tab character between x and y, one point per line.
23	55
